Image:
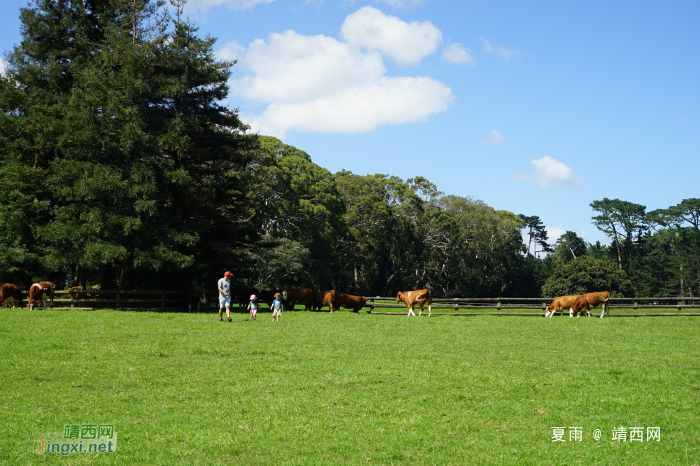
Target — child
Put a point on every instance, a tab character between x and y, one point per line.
253	306
277	307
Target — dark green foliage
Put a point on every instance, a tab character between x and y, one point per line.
586	274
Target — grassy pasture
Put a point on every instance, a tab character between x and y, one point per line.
344	388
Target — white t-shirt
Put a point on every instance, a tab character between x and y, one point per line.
226	286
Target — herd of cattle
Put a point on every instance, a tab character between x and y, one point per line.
576	304
39	294
42	293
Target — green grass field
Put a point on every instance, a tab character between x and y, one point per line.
344	388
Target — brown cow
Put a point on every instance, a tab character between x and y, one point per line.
11	295
322	297
591	300
559	303
350	301
410	298
78	289
37	296
294	296
195	297
41	293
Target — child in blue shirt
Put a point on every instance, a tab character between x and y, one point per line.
277	307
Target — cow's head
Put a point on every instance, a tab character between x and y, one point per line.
398	297
202	298
284	295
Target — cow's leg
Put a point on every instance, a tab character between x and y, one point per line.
410	312
603	312
430	309
421	308
189	307
571	312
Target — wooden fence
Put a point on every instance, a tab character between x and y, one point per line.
623	307
169	301
160	300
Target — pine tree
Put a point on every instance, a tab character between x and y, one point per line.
127	162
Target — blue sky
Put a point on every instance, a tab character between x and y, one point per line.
538	108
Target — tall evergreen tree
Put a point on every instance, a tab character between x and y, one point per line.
113	111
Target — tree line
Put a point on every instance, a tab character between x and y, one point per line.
121	168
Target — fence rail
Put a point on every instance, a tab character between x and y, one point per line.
165	300
626	307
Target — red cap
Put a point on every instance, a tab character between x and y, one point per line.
227	274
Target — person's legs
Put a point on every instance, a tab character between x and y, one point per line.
221	310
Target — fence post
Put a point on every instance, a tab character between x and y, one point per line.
544	307
456	307
119	296
371	305
162	302
72	300
636	306
498	305
679	306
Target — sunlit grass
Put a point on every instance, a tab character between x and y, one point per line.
320	388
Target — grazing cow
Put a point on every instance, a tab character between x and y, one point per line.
294	296
559	303
350	301
11	295
322	297
591	300
195	297
410	298
37	295
77	290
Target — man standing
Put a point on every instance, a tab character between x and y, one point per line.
225	295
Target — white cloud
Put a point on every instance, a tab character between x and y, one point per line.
494	137
458	53
318	83
406	43
231	50
388	101
205	5
550	173
498	50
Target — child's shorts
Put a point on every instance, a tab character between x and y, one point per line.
276	313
